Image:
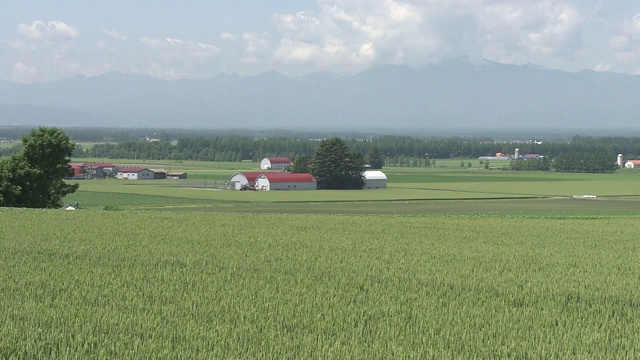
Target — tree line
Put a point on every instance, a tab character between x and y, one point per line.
397	150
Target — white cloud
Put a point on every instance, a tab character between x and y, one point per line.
114	34
177	47
256	48
350	35
23	72
227	36
173	58
347	36
51	31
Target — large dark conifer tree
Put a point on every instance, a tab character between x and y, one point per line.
336	167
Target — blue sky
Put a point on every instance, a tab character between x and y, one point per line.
44	40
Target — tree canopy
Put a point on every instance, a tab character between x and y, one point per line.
585	163
336	167
374	158
301	164
33	177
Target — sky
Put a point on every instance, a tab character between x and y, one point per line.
42	41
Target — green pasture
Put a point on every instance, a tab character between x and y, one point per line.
409	191
148	284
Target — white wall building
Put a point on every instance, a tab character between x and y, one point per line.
275	163
134	174
243	179
632	164
286	181
374	179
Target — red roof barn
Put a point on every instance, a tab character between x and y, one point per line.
275	163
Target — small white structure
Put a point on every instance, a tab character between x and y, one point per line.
374	179
286	181
243	180
275	163
620	161
134	174
632	164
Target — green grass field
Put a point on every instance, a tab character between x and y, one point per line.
445	263
131	284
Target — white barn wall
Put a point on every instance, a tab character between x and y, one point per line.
262	183
141	175
374	179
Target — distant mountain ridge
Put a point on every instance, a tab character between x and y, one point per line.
452	94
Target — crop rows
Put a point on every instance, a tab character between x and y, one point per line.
96	284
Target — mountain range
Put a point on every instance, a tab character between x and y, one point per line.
453	94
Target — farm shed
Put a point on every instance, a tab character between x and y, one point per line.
632	164
242	180
374	179
176	175
286	181
275	163
159	174
134	174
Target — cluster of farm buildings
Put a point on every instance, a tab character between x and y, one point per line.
94	170
273	178
517	155
629	164
621	162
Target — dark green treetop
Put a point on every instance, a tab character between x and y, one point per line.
336	167
33	178
375	158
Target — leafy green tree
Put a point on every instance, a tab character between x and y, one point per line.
336	167
301	165
33	178
374	158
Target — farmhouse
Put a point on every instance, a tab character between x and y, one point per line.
96	170
632	164
285	181
243	180
374	179
135	174
275	163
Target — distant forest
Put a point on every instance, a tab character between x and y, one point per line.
209	145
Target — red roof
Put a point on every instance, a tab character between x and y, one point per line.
251	176
634	162
288	177
279	160
77	169
131	170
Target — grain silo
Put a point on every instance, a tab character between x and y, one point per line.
620	160
517	154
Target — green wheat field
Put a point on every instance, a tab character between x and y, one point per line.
443	264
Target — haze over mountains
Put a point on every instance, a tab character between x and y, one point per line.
453	94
